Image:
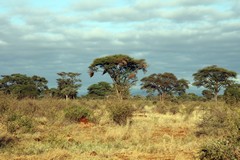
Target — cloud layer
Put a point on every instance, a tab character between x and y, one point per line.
179	36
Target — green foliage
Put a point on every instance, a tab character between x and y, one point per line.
53	93
24	91
223	149
120	112
75	113
207	94
181	87
189	97
100	90
20	122
213	78
68	84
164	84
232	94
40	83
23	86
121	68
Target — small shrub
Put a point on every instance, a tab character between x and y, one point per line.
167	107
174	109
5	102
220	150
120	112
189	108
19	122
6	139
219	121
161	108
75	113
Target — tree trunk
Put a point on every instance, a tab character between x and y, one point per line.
162	97
118	92
66	97
215	96
216	89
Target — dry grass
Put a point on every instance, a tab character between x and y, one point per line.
149	135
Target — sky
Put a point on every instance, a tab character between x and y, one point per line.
178	36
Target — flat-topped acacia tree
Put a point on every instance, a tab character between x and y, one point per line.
164	84
214	78
121	68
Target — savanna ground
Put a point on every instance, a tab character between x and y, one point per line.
39	129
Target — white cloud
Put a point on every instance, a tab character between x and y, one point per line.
90	5
144	5
44	37
195	3
96	34
3	43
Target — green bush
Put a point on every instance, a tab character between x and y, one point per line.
20	122
224	149
75	113
219	120
120	112
232	94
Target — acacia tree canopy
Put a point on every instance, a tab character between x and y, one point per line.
41	83
166	83
182	86
214	78
121	68
100	89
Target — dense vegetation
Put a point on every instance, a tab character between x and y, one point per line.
123	71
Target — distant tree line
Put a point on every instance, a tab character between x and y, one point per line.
123	70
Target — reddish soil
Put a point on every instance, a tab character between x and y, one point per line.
154	157
84	120
125	156
180	132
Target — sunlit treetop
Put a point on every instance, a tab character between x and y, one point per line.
119	67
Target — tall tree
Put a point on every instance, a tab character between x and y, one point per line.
214	78
68	84
100	90
164	84
40	83
121	68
